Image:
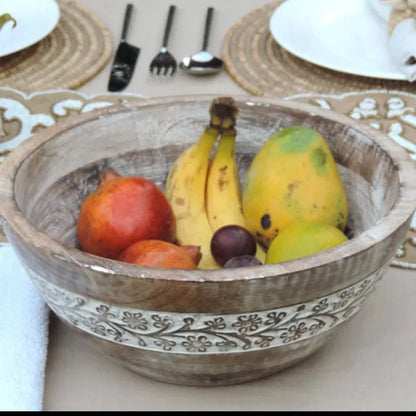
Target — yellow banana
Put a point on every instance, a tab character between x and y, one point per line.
223	188
223	195
185	191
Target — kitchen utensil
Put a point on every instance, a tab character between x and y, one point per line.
201	327
202	62
125	58
164	61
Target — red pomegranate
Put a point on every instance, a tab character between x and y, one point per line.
157	253
122	211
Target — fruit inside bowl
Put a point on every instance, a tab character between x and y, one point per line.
293	201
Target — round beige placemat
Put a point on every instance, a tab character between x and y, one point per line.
74	52
259	65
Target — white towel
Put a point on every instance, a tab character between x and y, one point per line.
402	42
24	321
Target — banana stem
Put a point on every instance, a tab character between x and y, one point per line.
223	112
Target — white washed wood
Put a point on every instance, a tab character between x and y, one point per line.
43	182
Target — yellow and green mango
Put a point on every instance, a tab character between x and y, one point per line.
293	177
303	239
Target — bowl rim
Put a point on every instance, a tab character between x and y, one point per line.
401	211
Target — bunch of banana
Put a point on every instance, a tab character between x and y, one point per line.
205	194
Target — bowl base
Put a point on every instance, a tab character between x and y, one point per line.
207	370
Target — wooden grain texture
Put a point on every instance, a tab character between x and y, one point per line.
44	181
210	370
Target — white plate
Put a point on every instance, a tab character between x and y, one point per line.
35	20
346	36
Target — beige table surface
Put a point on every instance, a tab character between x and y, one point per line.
369	365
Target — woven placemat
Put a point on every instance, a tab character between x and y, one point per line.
259	65
74	52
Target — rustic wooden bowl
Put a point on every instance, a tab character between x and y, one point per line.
200	327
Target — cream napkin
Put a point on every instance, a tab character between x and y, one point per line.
402	46
23	337
400	19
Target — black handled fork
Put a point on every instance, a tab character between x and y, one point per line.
164	63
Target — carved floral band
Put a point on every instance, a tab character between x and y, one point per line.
205	333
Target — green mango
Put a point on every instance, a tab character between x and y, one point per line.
303	239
